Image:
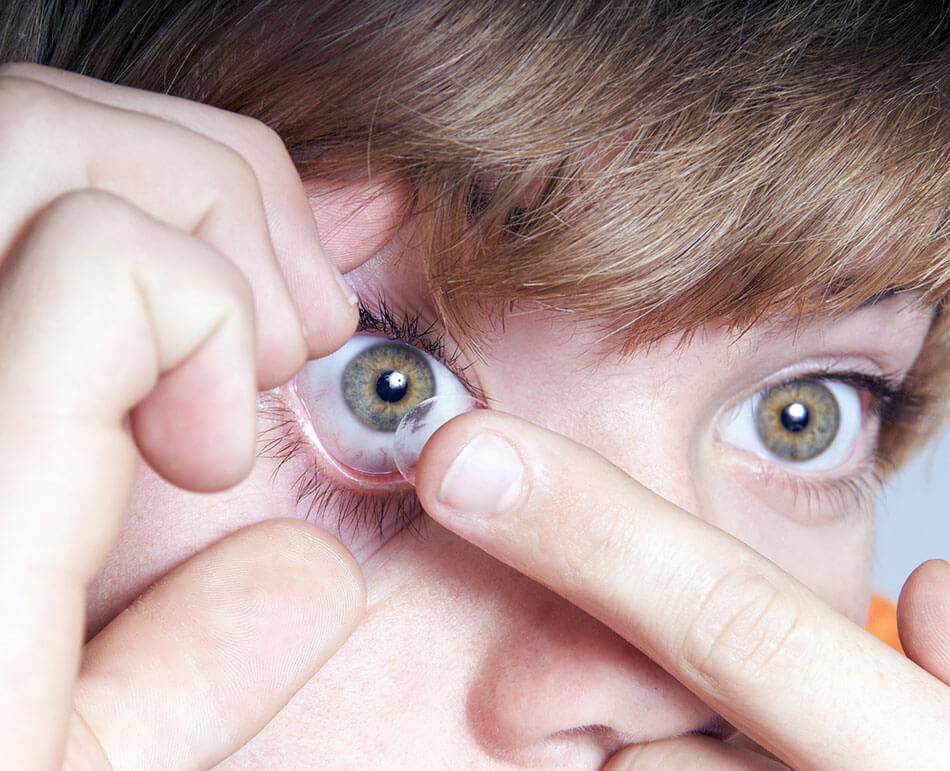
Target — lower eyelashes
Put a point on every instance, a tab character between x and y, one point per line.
332	428
362	520
821	500
813	442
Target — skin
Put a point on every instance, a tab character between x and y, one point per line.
600	606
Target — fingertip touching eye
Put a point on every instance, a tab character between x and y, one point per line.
356	397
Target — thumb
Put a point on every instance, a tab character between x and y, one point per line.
196	666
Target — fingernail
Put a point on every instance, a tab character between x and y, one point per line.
485	477
348	294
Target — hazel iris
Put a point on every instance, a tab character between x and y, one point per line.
382	383
799	420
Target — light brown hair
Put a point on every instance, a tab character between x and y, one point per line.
656	164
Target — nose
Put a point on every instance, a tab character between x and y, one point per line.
556	683
553	682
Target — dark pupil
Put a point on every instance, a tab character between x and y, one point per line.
392	386
795	417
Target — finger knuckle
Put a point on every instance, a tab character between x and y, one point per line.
28	110
89	235
269	151
230	186
231	173
262	137
86	214
746	627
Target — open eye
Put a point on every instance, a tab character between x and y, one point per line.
357	395
808	424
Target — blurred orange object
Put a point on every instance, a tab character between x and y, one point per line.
882	621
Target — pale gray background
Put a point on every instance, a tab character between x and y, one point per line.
914	518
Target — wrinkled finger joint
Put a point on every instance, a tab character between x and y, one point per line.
743	631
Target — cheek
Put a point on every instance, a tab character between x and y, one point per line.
830	554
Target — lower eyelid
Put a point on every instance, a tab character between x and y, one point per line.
331	499
809	500
344	476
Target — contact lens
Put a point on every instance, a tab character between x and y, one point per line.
383	382
355	398
421	422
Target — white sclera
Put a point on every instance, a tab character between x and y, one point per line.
331	422
737	427
421	422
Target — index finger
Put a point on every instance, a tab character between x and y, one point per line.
315	283
747	638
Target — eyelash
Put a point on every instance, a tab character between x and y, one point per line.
357	513
283	440
892	403
409	328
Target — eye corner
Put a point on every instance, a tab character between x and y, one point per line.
803	424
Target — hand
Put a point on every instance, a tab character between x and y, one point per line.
133	229
753	643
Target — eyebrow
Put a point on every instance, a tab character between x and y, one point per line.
842	286
936	310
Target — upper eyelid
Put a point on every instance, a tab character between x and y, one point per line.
890	399
836	369
410	328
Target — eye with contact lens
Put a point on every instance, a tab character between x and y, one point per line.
357	396
808	424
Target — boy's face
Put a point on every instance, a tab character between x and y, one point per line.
459	660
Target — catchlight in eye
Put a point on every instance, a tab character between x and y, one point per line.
798	421
357	396
383	382
812	424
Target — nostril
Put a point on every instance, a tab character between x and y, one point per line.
560	689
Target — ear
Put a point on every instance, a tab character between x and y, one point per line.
357	218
